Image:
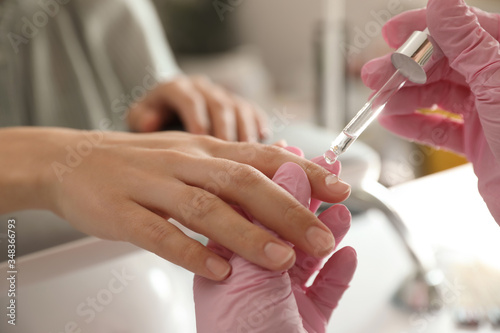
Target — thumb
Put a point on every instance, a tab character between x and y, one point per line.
475	54
293	179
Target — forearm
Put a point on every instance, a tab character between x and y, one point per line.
26	175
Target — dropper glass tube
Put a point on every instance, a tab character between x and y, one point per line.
411	62
365	117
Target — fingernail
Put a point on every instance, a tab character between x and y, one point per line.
321	240
336	185
218	267
278	253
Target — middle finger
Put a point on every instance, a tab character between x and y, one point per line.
263	199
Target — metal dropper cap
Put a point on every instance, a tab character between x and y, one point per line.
413	56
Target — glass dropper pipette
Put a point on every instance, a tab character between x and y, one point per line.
410	62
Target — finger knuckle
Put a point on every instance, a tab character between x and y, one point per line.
192	101
199	205
156	232
269	154
208	143
165	157
246	177
292	211
272	150
221	104
314	171
191	253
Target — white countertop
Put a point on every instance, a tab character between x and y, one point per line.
448	211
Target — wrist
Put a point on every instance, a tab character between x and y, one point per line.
27	175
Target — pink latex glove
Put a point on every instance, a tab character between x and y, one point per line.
254	299
466	81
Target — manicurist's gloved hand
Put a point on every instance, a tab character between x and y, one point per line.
254	299
466	81
203	108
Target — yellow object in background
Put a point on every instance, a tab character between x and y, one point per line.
440	160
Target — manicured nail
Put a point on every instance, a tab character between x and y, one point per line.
336	185
322	241
218	267
278	253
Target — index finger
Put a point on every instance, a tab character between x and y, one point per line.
325	185
399	28
189	104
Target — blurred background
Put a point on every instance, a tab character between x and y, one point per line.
304	56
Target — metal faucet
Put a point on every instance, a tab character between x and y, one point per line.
421	291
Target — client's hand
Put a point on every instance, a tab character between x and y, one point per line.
202	106
254	299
